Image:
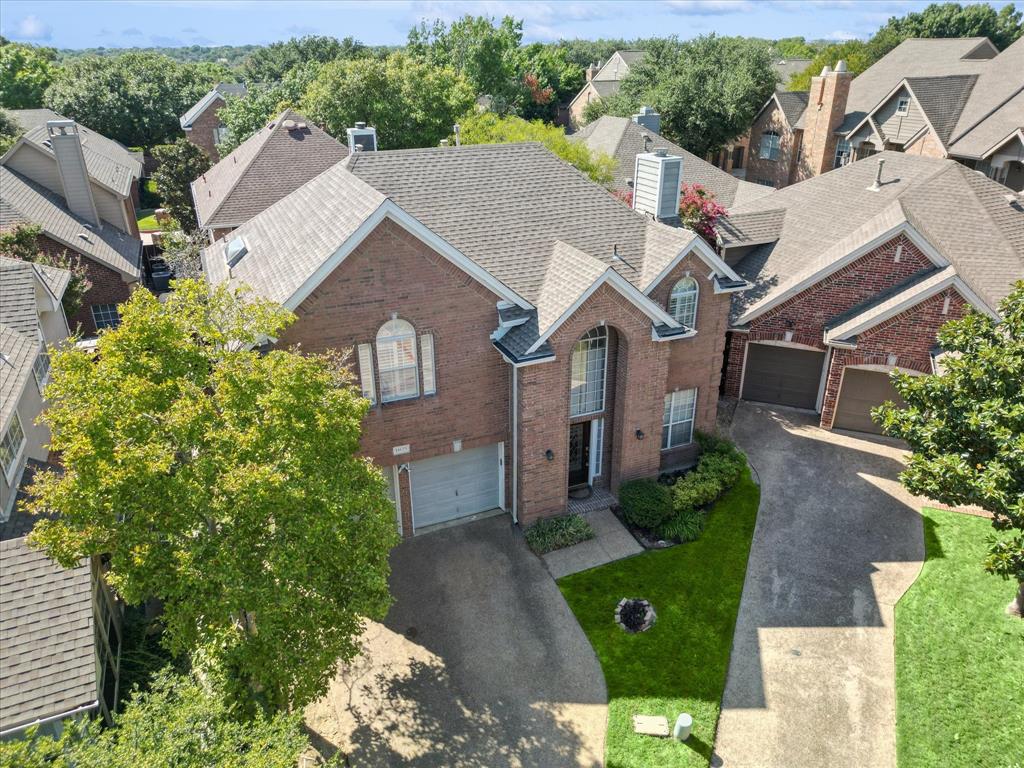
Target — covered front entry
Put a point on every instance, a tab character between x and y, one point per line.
782	375
862	390
456	485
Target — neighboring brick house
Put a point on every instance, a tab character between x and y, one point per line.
510	354
959	98
623	139
602	80
854	272
202	124
273	162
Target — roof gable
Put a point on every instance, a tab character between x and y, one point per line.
218	93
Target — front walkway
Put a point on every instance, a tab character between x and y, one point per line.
838	541
479	664
611	542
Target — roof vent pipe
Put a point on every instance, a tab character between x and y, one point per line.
878	177
457	130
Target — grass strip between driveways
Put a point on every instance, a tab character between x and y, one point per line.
959	657
679	664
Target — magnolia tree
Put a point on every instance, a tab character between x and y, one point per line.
965	426
224	482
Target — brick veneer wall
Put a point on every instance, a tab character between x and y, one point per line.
826	111
108	285
394	272
779	172
928	146
909	337
202	129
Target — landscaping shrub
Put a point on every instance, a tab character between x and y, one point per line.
148	196
645	503
725	468
553	533
695	490
686	525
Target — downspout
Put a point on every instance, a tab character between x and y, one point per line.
515	445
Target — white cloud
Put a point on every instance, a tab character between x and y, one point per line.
841	36
707	7
33	28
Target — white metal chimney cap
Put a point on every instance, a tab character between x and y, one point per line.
841	66
826	70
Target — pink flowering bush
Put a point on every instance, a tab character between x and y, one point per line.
699	211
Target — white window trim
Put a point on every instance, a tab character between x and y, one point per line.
596	448
774	148
848	154
696	300
604	376
415	366
903	105
11	470
40	353
692	418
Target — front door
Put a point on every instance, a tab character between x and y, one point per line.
579	454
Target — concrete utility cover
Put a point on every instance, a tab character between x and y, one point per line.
838	541
497	672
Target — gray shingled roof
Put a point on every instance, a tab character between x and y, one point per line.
995	106
263	169
942	99
786	68
19	352
960	212
18	308
22	201
794	105
220	90
47	657
623	140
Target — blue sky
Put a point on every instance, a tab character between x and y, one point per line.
124	23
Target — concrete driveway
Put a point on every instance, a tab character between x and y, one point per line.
838	541
480	663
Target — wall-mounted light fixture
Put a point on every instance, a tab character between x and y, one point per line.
549	455
640	434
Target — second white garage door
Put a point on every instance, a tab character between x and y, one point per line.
455	485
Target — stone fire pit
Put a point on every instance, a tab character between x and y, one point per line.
634	615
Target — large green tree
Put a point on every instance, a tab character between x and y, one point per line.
25	73
135	98
270	63
411	102
965	428
1002	27
178	723
224	482
490	128
178	165
857	54
707	89
10	131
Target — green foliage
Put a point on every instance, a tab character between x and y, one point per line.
135	98
180	164
225	483
707	89
694	490
618	104
178	723
490	128
410	102
794	48
25	73
965	427
685	525
549	78
10	131
857	54
959	658
583	53
183	252
679	665
553	533
22	243
270	63
149	197
645	503
1002	27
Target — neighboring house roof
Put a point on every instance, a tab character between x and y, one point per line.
953	213
107	161
793	105
219	91
47	656
618	64
622	140
942	99
22	201
19	352
786	68
486	208
266	167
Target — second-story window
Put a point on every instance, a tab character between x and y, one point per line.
682	302
769	145
843	151
396	361
41	365
903	105
586	393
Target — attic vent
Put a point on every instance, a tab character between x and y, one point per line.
235	251
84	236
288	125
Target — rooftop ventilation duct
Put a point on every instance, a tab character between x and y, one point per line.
656	181
363	136
649	119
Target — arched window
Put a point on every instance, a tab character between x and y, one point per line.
769	145
586	394
396	361
682	302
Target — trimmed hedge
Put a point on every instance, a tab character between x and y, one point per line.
553	533
645	503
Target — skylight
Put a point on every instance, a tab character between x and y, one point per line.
236	250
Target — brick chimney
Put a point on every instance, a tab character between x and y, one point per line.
66	144
592	70
826	109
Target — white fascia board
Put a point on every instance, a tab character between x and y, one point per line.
881	103
390	210
1019	134
200	107
705	253
904	227
764	106
624	287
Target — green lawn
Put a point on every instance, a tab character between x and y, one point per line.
679	665
146	219
959	657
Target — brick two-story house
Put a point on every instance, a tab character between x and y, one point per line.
202	124
65	184
959	98
519	331
603	79
854	272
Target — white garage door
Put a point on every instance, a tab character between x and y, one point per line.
455	485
